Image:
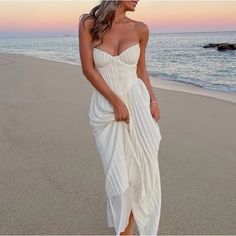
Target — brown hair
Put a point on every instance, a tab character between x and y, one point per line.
103	14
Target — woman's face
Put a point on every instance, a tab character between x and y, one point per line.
129	5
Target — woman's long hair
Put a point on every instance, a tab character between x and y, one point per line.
103	14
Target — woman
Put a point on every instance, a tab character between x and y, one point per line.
124	114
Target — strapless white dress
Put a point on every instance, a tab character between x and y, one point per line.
128	151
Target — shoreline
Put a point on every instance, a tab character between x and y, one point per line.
161	83
192	89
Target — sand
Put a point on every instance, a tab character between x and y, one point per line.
51	177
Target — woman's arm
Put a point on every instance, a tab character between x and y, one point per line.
88	68
141	66
143	74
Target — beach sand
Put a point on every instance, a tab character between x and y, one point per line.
51	176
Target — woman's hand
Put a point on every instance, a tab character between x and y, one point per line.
121	111
154	108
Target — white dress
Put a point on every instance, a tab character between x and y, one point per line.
128	151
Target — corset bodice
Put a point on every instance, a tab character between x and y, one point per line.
118	71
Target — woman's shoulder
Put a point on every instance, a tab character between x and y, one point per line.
87	21
141	26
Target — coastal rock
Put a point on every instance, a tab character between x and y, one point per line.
211	45
226	47
221	46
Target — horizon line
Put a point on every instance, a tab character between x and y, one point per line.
73	35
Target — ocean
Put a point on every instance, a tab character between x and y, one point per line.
176	57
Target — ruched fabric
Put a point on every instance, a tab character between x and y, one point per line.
128	151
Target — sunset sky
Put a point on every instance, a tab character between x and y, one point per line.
42	18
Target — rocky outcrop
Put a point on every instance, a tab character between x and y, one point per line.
221	46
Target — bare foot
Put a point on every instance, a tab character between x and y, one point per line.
127	232
129	228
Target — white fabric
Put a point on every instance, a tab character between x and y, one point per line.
128	151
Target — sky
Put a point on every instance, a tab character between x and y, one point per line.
53	18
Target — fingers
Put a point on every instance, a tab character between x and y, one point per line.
122	114
122	117
118	116
127	119
156	116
